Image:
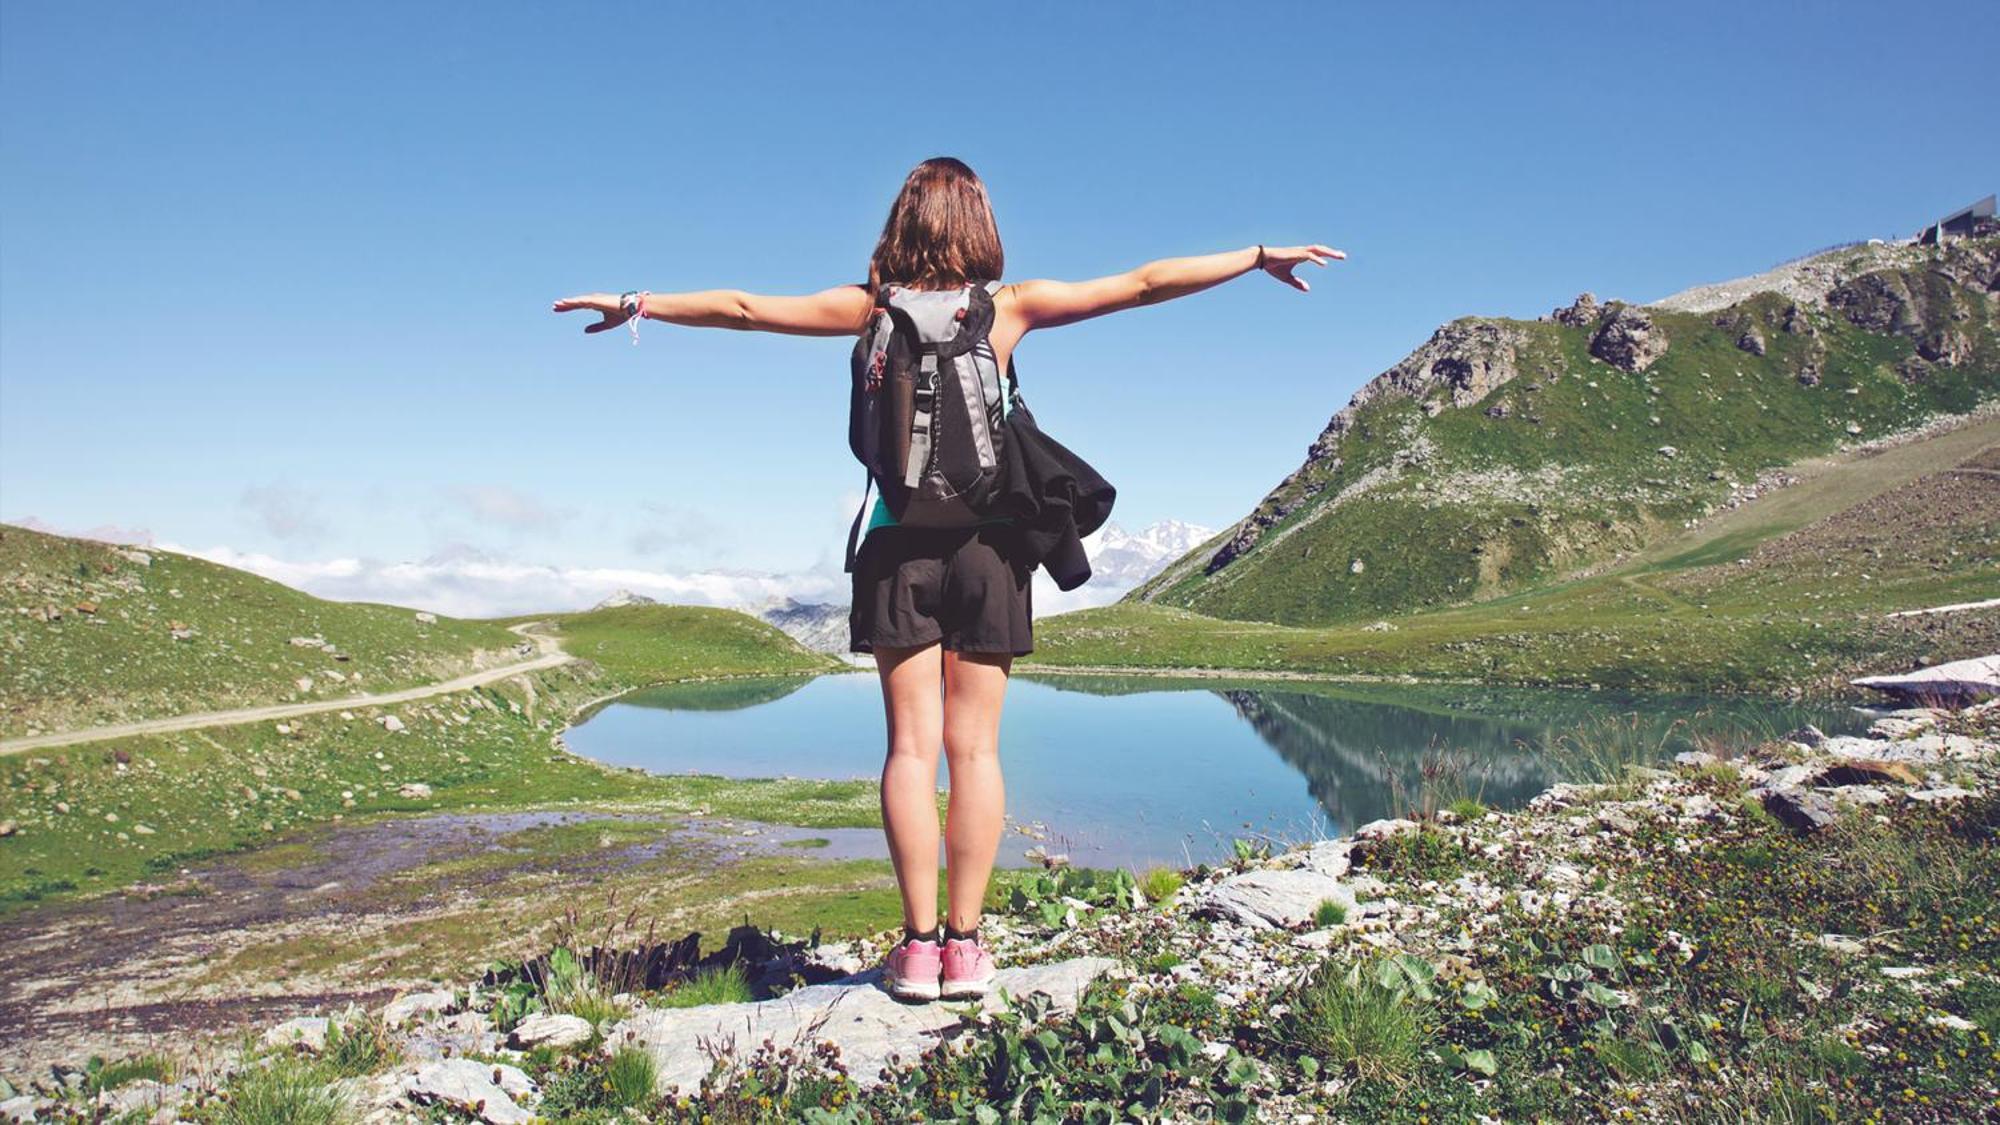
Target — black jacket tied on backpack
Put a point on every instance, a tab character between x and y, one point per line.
926	418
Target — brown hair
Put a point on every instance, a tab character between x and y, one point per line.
940	232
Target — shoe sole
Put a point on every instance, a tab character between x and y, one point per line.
966	989
914	991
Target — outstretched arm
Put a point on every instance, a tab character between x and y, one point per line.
840	311
1046	304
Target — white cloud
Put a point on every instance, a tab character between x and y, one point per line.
462	581
283	511
498	504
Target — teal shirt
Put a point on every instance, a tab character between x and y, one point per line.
880	517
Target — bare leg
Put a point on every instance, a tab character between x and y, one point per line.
975	684
911	698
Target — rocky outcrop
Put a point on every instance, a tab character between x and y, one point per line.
871	1028
1628	339
1466	360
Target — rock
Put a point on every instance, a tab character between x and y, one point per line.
1383	829
424	618
1694	759
414	791
1280	898
143	1097
1956	683
1669	452
1628	340
1867	771
1751	341
870	1028
1809	375
1902	972
1854	429
1940	794
1840	943
1808	736
454	1036
1864	795
1331	858
1356	567
1582	313
305	1031
411	1005
831	961
548	1030
484	1089
23	1108
391	723
8	828
1801	810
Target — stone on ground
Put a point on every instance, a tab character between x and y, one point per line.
410	1005
870	1027
549	1030
486	1090
1958	681
1282	899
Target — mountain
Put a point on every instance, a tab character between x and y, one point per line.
816	625
1505	454
621	598
1118	557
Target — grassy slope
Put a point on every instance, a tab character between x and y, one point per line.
1571	475
102	815
1788	590
71	668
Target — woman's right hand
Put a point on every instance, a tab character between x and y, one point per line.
604	304
1280	261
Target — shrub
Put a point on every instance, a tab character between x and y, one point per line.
1348	1016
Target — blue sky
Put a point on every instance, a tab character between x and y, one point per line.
275	278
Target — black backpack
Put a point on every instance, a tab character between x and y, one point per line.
926	413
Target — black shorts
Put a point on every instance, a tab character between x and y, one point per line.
962	586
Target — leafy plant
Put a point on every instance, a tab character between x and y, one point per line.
1160	883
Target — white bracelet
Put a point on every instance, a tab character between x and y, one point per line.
633	305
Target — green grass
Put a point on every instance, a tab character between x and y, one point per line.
709	986
1332	912
1346	1018
121	662
647	644
1572	474
283	1089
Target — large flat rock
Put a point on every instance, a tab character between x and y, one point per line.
1280	898
871	1028
1960	680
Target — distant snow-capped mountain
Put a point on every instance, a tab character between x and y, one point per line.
1117	557
816	625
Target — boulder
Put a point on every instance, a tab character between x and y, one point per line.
1957	683
1383	829
1751	341
1867	771
871	1028
391	723
1280	898
413	1005
414	791
546	1029
1582	313
305	1031
1801	810
1628	340
485	1090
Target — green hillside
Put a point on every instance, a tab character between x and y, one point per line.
1505	455
1793	591
645	644
92	633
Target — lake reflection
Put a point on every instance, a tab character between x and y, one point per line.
1131	770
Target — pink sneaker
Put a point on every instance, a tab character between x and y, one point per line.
911	970
968	969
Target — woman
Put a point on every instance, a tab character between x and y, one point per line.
944	607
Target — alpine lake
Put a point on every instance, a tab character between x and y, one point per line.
1136	771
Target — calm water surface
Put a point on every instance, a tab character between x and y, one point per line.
1135	771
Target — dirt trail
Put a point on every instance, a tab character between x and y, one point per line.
551	656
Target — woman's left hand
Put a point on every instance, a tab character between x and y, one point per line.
604	304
